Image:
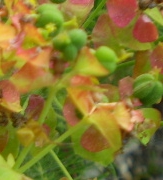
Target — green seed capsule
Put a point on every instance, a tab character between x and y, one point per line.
78	37
143	85
54	19
61	41
70	52
155	95
107	58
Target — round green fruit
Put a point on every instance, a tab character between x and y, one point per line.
143	85
61	41
155	95
107	58
50	17
70	52
57	1
78	37
106	54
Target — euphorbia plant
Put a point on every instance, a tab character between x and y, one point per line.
48	47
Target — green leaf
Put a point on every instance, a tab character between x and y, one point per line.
12	146
155	14
103	157
151	123
6	172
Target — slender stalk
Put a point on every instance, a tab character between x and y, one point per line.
47	149
47	104
61	165
22	156
93	14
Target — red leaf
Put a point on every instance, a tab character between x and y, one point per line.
10	96
142	64
122	11
126	87
70	114
145	30
35	106
93	141
156	57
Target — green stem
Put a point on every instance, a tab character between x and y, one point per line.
127	63
22	156
61	165
94	14
52	91
47	105
47	149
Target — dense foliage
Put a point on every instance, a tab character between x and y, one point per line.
76	77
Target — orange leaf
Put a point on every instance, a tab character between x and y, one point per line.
7	33
33	35
31	77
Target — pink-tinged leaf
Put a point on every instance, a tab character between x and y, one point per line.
35	106
10	97
103	157
123	116
70	113
31	77
35	73
82	89
88	64
142	64
33	36
126	87
25	55
107	125
21	8
93	141
156	57
107	33
122	11
7	66
79	9
104	33
145	30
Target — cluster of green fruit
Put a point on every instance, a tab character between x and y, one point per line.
70	41
148	89
49	17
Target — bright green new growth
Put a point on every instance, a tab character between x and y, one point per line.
107	58
143	85
78	37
